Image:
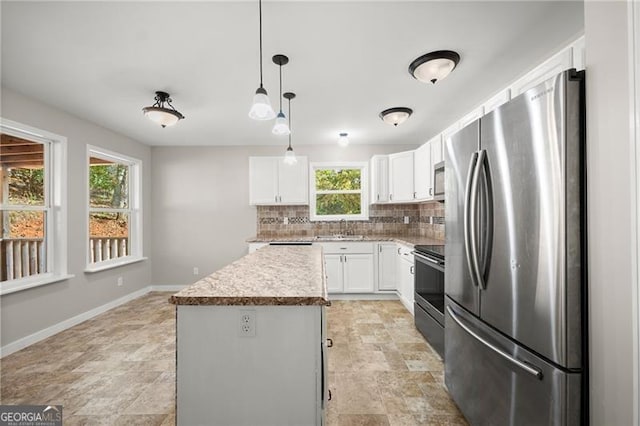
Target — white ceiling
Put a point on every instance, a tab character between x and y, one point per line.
102	61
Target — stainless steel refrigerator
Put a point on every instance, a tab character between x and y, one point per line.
515	281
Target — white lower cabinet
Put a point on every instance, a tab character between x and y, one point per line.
387	276
406	270
335	274
349	267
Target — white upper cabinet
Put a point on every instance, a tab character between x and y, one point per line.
578	51
555	65
422	171
379	179
401	177
272	182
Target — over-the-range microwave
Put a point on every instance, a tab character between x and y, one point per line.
438	181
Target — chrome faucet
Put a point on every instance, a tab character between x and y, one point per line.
342	222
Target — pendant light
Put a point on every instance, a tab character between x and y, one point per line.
280	127
261	108
289	155
434	66
343	140
162	112
395	116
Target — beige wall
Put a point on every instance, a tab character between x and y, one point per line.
200	203
29	311
610	189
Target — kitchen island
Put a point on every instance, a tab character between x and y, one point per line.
251	341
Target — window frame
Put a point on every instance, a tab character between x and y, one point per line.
364	190
134	209
55	206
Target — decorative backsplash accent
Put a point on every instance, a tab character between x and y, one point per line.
425	219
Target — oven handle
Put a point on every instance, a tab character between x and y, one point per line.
420	256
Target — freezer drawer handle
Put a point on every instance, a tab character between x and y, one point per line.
531	370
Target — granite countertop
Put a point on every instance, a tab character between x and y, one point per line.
275	275
411	240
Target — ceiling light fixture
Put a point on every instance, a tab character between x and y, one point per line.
261	108
343	140
162	112
280	127
395	116
434	66
289	155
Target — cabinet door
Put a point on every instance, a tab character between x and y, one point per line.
422	172
562	61
436	152
293	182
401	177
358	273
405	284
387	277
263	180
379	179
335	277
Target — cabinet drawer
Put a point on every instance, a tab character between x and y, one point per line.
347	247
405	252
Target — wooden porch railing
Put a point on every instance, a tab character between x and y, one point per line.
22	257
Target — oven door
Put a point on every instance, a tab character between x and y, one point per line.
429	285
438	181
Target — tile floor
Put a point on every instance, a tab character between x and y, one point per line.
119	368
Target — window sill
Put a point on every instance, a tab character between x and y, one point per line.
14	286
103	266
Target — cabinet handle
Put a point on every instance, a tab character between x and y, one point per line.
329	394
430	191
378	197
345	258
398	251
414	195
412	269
379	249
329	343
276	198
390	197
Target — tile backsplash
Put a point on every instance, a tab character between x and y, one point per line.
425	219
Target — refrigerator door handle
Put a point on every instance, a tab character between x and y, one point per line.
526	367
473	213
467	217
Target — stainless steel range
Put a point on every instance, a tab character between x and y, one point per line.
429	294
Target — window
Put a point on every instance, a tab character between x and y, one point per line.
115	235
32	207
339	191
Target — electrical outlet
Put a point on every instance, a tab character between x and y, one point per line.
285	220
196	271
120	281
247	323
406	220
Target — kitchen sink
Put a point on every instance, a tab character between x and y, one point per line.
339	237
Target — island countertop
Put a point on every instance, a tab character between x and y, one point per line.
275	275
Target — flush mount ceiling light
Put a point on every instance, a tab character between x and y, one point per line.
261	107
395	116
280	127
434	66
343	140
162	112
289	155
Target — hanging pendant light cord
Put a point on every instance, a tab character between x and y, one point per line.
281	90
289	120
260	20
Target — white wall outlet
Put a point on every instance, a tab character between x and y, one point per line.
406	220
120	281
285	220
247	323
196	271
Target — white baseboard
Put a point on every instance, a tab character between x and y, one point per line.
173	288
364	296
29	340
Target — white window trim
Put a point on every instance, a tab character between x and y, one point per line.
56	226
135	203
364	190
